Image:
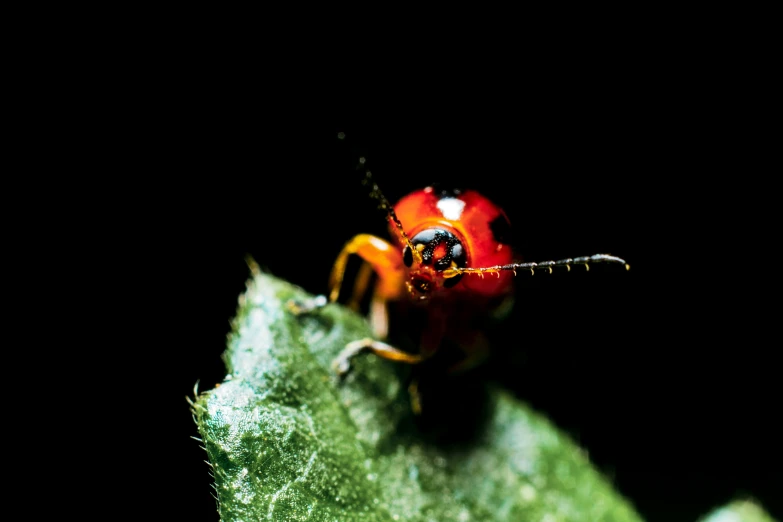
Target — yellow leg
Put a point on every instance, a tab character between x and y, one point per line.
385	260
382	256
379	317
360	286
342	364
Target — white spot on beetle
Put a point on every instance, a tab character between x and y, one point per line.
451	208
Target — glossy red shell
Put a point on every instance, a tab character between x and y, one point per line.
469	216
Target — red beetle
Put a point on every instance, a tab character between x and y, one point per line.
450	255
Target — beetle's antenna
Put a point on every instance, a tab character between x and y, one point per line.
586	261
383	203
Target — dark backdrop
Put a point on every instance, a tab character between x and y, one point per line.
661	373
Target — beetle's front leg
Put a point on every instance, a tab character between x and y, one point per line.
379	256
382	256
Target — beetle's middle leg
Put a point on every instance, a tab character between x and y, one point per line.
342	364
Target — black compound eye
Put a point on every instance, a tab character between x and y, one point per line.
458	254
438	248
427	236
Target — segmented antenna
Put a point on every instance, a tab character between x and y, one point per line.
597	258
383	203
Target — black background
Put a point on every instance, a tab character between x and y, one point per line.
662	373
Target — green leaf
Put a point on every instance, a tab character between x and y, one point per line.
739	511
288	441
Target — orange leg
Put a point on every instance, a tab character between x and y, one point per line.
430	340
386	261
382	256
379	317
342	364
360	286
